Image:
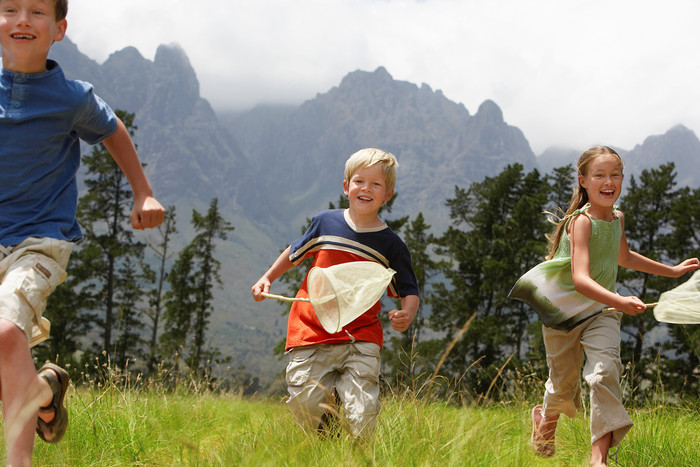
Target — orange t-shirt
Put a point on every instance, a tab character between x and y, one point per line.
333	239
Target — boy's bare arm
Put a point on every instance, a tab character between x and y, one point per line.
279	267
147	211
402	319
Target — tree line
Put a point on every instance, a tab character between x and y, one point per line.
497	233
121	303
117	306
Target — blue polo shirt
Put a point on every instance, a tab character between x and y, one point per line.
43	117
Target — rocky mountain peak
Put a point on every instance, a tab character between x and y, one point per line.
489	113
678	144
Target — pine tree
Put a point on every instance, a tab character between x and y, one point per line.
647	207
561	182
192	280
179	302
109	248
497	230
64	310
681	373
406	356
210	227
156	300
128	327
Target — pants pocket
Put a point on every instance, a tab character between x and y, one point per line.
43	275
301	361
366	360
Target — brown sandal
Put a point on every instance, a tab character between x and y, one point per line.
58	381
541	442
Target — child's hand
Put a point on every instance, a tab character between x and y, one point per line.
631	305
400	320
263	285
688	265
147	214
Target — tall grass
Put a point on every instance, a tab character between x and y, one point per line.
117	421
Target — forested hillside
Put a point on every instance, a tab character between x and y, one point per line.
470	176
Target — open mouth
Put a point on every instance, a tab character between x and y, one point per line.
608	193
364	198
23	37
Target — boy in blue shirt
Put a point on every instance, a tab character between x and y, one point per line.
43	116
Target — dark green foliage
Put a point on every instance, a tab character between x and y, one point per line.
652	225
110	253
405	354
68	323
108	279
179	301
497	233
684	242
192	281
155	308
647	207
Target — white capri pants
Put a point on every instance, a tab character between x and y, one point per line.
598	339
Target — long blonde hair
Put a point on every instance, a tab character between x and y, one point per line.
579	198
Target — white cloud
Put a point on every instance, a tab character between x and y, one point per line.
572	73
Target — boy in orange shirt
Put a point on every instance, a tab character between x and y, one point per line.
349	359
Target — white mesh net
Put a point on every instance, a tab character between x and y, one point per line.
682	304
341	293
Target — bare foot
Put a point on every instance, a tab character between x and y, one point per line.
599	450
543	429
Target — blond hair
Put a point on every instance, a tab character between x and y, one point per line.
367	158
580	197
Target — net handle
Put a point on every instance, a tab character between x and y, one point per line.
283	298
649	305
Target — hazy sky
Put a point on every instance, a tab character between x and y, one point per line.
572	73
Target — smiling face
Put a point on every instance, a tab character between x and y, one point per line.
367	190
603	182
28	28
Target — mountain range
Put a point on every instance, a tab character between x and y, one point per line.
272	167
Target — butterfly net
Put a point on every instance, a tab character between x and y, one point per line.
341	293
682	304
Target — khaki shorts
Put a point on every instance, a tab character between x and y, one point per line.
353	369
29	273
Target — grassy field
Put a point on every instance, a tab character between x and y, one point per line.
114	426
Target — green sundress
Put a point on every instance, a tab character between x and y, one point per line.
549	286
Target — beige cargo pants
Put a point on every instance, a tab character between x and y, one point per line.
352	368
598	339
